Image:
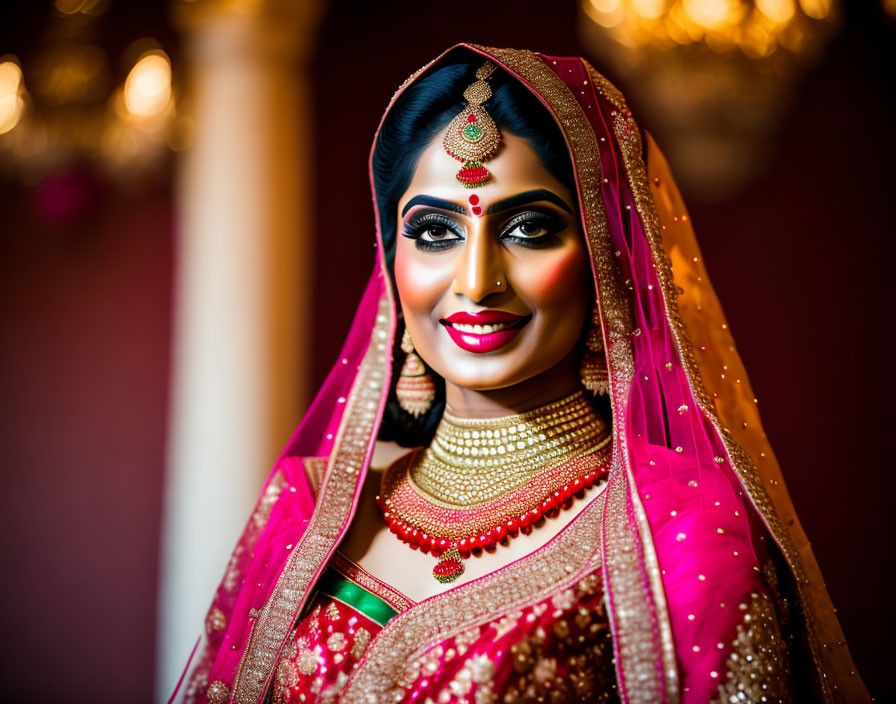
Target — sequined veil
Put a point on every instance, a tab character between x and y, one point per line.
711	588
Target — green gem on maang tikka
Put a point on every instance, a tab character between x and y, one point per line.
472	132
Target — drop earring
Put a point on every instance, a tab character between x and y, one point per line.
593	371
415	389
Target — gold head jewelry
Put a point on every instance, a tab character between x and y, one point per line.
472	136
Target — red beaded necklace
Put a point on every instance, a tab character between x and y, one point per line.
482	482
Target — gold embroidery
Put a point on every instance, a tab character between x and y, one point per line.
253	529
641	618
215	620
393	660
629	139
336	642
757	668
641	622
360	643
359	575
333	612
588	677
315	468
334	505
217	693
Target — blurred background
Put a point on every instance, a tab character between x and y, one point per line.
185	229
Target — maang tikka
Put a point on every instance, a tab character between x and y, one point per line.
415	389
473	136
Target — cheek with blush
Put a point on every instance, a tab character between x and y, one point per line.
421	285
419	282
558	279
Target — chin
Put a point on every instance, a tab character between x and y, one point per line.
491	375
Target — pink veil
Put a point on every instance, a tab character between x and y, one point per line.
692	542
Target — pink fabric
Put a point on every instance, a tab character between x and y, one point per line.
699	523
324	649
700	528
267	541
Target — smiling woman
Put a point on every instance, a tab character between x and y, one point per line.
514	485
520	267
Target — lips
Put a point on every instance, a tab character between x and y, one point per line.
484	331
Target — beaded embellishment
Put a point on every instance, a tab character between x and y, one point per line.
483	482
472	136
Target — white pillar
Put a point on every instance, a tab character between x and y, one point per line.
241	295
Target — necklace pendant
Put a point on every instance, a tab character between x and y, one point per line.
449	567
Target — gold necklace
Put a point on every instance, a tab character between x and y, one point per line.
483	481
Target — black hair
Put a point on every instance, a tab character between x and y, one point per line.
422	111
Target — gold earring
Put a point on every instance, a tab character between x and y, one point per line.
415	389
593	371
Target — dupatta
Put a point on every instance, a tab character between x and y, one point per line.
704	562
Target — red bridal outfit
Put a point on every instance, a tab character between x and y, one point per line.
685	578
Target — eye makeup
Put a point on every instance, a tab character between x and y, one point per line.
533	228
432	231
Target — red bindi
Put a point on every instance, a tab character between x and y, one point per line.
474	201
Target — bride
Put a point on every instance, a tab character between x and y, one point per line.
524	480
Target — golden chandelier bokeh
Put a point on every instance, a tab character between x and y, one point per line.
64	106
713	78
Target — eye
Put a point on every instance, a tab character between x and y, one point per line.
436	233
432	231
532	229
529	228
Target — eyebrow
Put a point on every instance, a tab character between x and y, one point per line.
526	198
434	202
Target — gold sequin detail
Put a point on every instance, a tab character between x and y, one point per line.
215	620
217	693
334	505
360	643
757	668
336	642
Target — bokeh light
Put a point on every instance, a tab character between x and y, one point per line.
12	87
147	90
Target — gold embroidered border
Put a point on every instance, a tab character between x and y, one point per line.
757	669
354	572
629	139
636	618
572	554
641	628
337	492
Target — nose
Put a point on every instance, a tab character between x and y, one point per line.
480	267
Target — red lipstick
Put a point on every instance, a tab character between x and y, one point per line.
484	331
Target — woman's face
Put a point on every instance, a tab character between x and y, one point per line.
494	281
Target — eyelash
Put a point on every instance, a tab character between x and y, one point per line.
416	226
550	223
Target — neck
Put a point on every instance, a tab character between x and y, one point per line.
560	380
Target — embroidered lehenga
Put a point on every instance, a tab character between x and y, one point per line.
685	578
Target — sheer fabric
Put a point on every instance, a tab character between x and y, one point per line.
692	552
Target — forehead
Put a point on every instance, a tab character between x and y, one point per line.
515	168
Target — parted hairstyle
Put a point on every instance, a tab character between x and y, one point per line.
421	114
